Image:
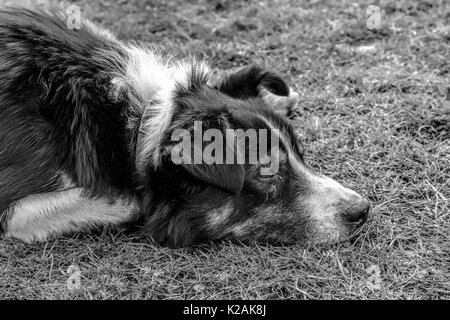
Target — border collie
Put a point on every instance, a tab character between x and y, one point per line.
86	125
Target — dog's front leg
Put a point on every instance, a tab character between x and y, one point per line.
38	217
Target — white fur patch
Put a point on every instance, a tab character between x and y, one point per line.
37	217
153	78
323	202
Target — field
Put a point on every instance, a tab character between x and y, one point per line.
374	113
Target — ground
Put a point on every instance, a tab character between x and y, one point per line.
374	113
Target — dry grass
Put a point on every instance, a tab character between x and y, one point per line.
374	113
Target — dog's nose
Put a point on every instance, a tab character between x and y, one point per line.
358	211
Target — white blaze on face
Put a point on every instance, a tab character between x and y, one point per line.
327	200
327	204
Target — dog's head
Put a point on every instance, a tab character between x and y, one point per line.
228	164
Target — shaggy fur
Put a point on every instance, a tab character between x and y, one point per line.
85	140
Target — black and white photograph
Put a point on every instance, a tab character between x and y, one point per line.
237	153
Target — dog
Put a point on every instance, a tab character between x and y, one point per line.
87	127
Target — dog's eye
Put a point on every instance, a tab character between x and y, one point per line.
269	185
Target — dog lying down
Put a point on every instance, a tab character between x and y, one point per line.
96	133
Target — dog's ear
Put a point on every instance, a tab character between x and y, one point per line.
254	81
214	160
226	176
213	167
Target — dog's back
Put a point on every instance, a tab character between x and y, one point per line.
55	101
59	127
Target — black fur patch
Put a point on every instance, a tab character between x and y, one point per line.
55	102
244	83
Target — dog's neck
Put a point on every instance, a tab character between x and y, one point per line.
150	80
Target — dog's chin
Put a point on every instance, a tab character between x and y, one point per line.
338	236
329	236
